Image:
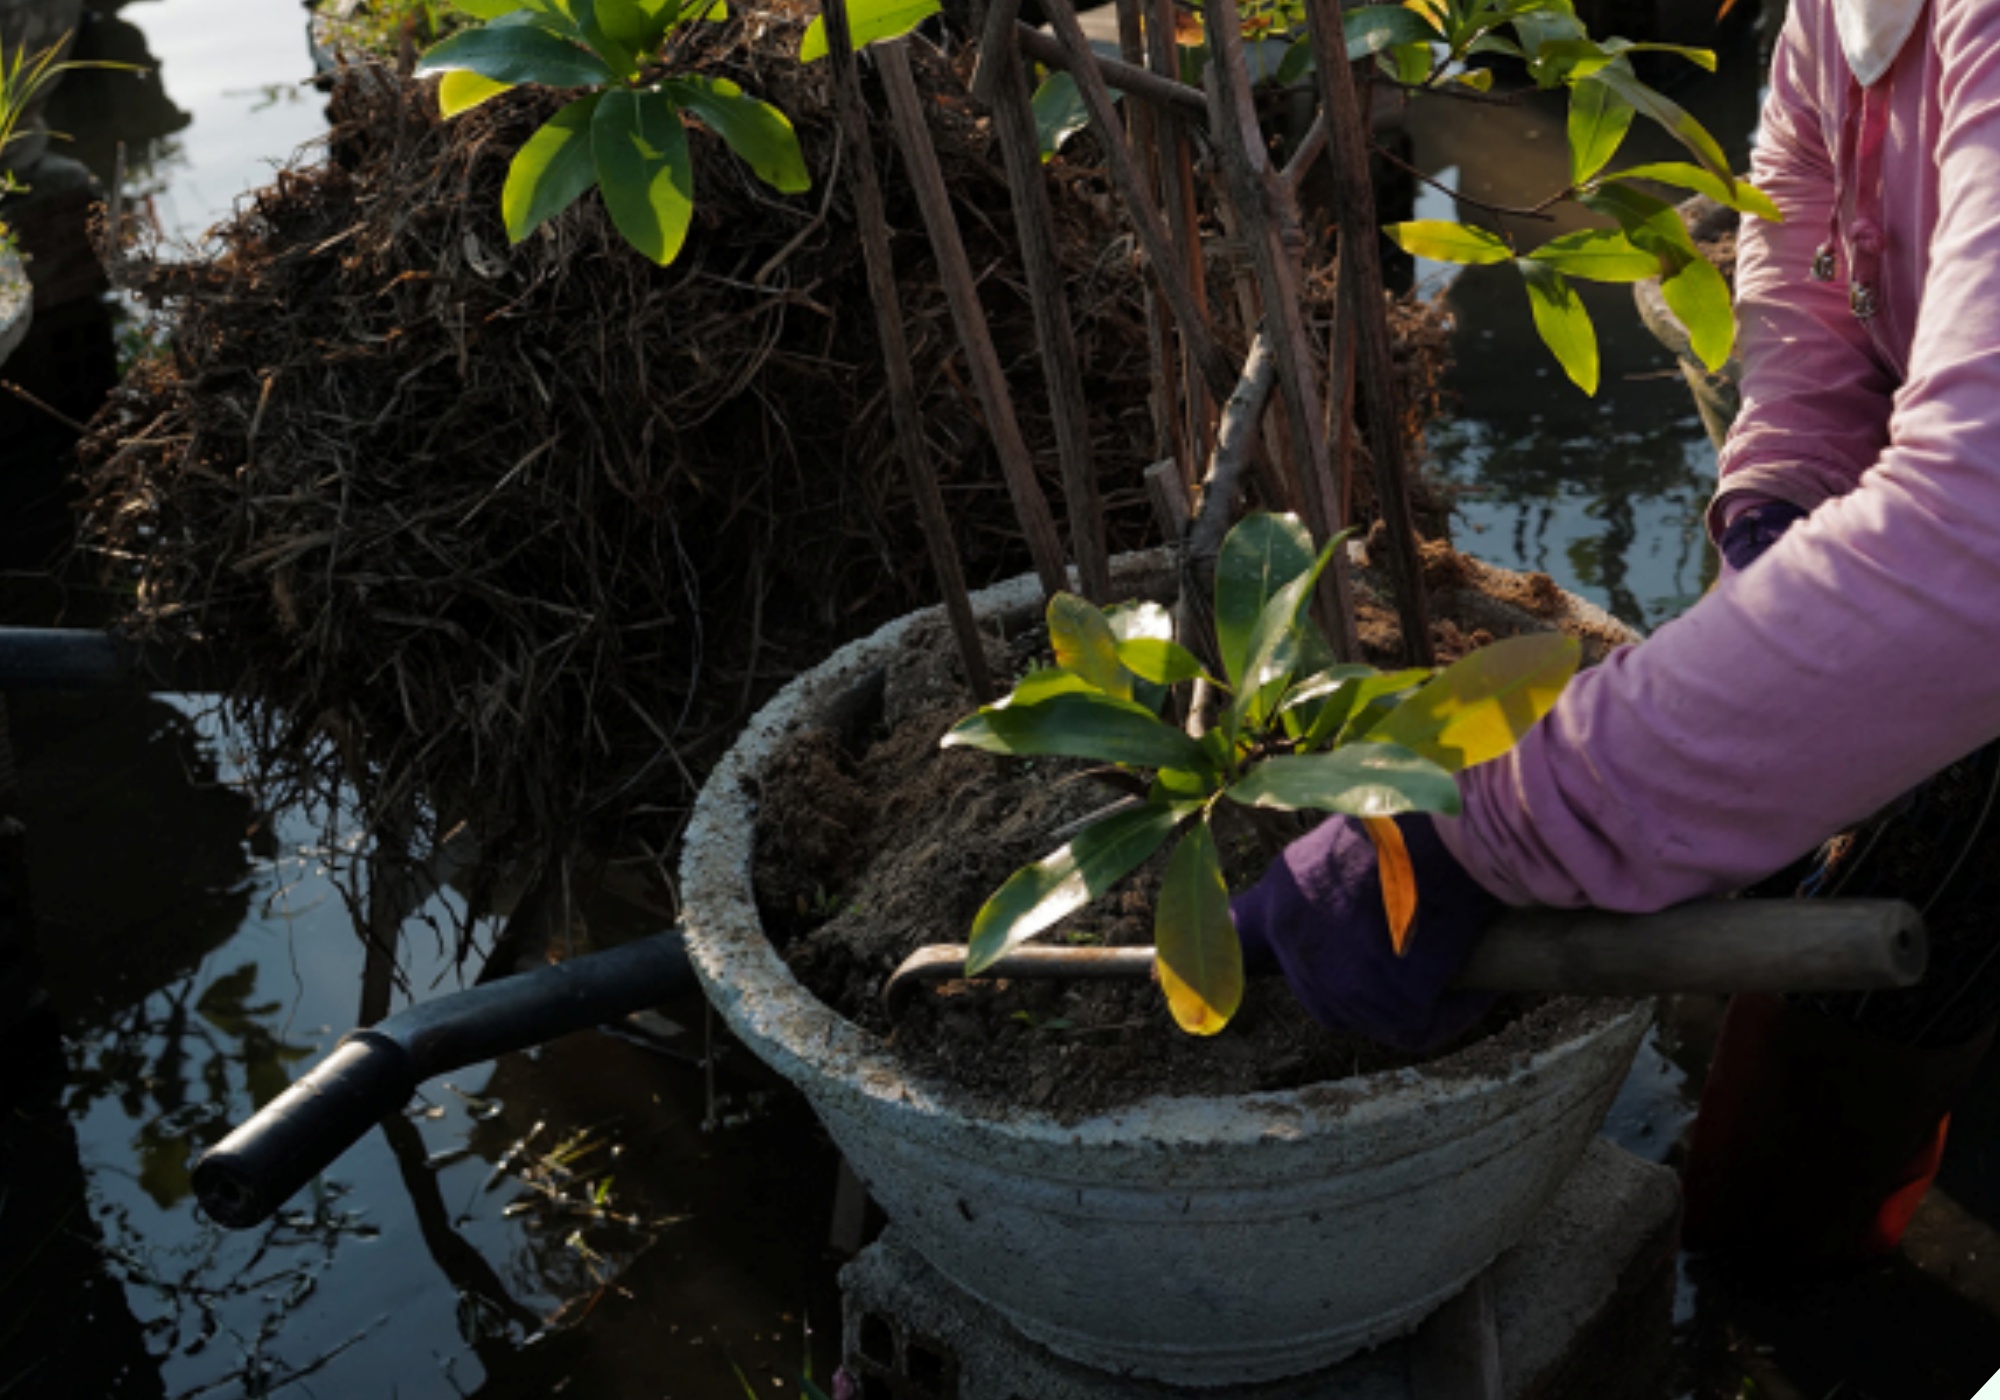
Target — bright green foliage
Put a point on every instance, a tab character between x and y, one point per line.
627	137
1427	44
25	77
1291	731
869	22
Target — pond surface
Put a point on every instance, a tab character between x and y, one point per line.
607	1216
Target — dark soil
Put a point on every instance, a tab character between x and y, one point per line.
871	846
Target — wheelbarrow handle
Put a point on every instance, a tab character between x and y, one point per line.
373	1072
1716	945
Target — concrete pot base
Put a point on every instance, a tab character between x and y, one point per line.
1583	1309
1195	1241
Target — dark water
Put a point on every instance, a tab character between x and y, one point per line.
606	1217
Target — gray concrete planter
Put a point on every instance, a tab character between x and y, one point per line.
1195	1241
17	303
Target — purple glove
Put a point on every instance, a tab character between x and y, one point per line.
1317	917
1756	530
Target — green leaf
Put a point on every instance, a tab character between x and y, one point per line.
1408	64
1538	29
1179	785
1697	294
640	25
1059	111
1082	725
869	21
487	9
551	170
1478	708
1599	254
1039	895
1297	62
1374	28
1650	223
617	57
1562	323
1598	121
1361	780
1084	643
1348	707
1678	124
520	53
1700	58
1740	195
1041	683
1441	240
461	90
1274	651
1570	61
1200	962
1162	663
1477	79
759	133
643	168
1262	554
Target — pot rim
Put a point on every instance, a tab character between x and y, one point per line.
766	1006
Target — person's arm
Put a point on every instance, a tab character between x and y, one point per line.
1815	396
1859	655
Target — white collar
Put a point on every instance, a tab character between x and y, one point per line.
1872	33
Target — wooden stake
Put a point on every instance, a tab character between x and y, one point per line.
1014	121
1031	508
1233	441
915	452
1168	94
1177	190
994	49
1268	216
1361	259
1189	312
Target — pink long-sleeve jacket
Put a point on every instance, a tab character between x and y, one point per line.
1862	652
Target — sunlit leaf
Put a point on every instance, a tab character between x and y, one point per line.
1200	962
1598	121
1599	254
1477	79
1408	64
1361	780
1036	896
759	134
1350	714
1562	322
640	25
1698	296
1442	240
1740	195
1161	662
1373	28
643	168
462	89
517	54
869	21
1478	707
1041	683
551	170
1677	123
1700	58
1084	643
487	9
1082	725
1399	879
1259	556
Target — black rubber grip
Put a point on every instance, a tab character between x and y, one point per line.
295	1137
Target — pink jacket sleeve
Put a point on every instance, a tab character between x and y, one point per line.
1816	398
1859	655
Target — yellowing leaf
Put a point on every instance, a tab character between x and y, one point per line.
462	90
1399	881
1085	644
1200	962
1479	706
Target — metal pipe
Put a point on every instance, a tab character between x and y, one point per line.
372	1073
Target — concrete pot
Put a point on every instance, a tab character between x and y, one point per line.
17	303
1201	1242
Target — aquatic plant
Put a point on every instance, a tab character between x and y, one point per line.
1295	731
24	80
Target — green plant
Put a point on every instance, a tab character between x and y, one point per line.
626	135
1426	46
1293	732
24	77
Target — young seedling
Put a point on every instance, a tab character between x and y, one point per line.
1292	732
626	135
